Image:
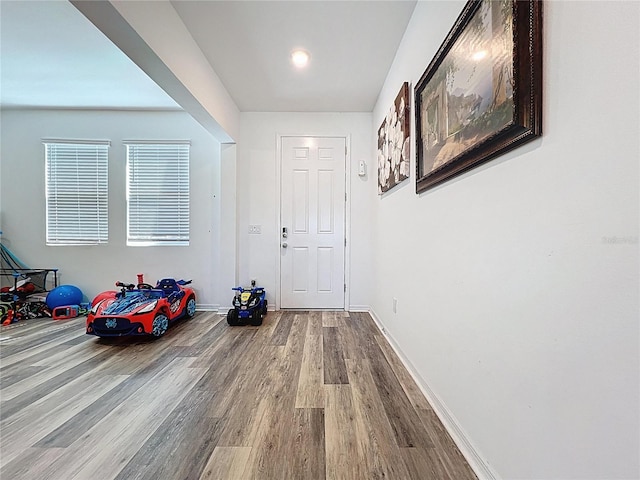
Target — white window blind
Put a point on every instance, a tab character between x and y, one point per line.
157	194
76	192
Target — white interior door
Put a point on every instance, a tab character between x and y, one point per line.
312	230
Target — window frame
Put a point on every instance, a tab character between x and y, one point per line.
154	228
89	186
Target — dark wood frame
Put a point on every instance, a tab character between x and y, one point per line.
527	94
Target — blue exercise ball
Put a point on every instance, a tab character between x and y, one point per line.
64	295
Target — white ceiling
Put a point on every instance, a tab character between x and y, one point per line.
52	56
248	43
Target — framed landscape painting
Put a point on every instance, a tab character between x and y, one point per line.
481	95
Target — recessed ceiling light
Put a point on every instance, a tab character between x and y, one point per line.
300	58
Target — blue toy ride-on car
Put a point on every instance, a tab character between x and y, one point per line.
249	306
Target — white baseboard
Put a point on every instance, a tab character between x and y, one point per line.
481	468
225	308
359	308
207	307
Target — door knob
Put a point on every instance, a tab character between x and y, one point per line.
284	244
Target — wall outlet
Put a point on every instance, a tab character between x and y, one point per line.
395	305
255	229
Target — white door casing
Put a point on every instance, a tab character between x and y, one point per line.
312	230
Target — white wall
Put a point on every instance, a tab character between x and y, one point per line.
96	268
517	283
0	174
258	201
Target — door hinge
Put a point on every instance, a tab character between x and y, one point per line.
345	196
345	287
345	242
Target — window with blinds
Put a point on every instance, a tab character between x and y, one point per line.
157	194
76	192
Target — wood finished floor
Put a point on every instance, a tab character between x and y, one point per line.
308	395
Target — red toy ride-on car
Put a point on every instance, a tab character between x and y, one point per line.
141	309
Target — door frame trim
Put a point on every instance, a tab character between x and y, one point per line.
347	212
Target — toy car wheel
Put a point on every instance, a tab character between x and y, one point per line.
264	308
232	317
256	317
160	325
190	309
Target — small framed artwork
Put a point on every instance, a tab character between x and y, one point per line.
481	95
394	139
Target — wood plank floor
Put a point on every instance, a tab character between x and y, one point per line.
308	395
